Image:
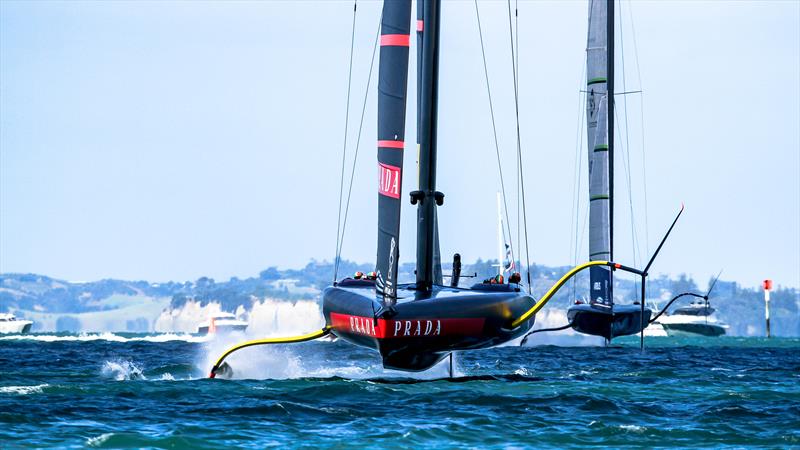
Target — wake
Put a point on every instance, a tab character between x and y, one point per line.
318	359
106	336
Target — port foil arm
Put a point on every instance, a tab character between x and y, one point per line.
220	364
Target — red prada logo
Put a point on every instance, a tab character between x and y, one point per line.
382	328
389	180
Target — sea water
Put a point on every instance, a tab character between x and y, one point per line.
124	390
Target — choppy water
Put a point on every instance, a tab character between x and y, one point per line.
111	390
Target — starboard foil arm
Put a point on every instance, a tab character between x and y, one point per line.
552	291
268	341
614	266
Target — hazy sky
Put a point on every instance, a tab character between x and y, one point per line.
171	140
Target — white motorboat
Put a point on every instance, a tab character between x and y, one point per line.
222	322
9	324
694	320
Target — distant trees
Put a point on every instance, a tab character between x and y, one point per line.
270	274
742	308
683	284
68	323
204	282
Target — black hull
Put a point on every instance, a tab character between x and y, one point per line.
419	331
619	320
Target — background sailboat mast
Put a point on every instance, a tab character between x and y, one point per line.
600	126
427	197
610	85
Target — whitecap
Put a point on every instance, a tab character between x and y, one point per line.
23	390
122	370
108	336
167	337
99	440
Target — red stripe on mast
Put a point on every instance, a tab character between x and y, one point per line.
395	40
391	144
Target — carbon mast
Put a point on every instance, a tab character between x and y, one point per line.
427	198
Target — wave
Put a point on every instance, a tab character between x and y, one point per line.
126	370
106	336
98	441
122	370
23	390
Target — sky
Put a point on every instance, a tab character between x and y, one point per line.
173	140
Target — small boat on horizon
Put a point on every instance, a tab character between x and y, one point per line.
221	322
10	324
696	319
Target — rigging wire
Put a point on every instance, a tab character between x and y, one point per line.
516	75
358	141
344	145
626	158
577	183
494	130
521	178
627	149
583	229
641	112
635	235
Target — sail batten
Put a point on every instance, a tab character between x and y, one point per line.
392	91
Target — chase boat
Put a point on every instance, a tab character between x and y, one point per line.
9	324
696	319
221	322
